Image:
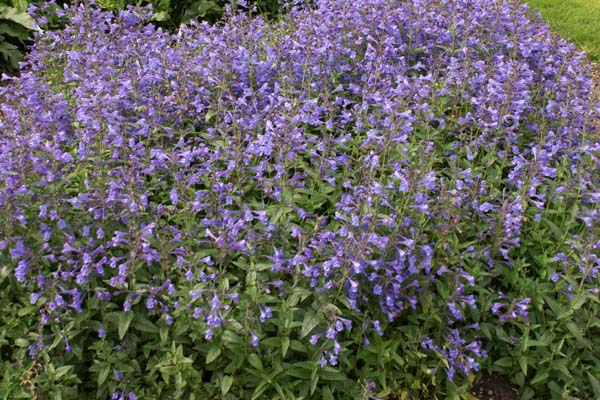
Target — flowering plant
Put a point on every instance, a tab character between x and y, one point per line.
355	200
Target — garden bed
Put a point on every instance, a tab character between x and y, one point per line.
367	199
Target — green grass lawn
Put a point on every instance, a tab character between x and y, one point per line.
577	20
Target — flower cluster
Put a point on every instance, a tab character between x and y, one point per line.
511	310
459	356
374	153
123	396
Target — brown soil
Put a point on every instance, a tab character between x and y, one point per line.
595	97
495	387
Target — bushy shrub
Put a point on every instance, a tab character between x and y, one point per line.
372	198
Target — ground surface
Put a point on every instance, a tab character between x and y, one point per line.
495	387
577	20
596	91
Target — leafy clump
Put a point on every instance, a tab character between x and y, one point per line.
372	198
15	28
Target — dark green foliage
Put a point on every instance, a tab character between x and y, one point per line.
16	27
171	13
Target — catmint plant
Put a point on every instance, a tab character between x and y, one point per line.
356	183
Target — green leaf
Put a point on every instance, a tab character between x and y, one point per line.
259	391
298	346
447	49
231	338
300	373
574	329
226	383
537	343
285	345
144	325
103	375
555	389
62	371
555	229
11	53
164	333
279	391
540	376
16	16
309	323
12	30
255	361
523	364
314	381
21	395
20	5
331	374
298	295
595	384
213	353
161	16
580	300
123	321
565	314
237	360
251	278
327	395
506	362
552	304
210	114
527	394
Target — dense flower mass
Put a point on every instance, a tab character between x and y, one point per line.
378	155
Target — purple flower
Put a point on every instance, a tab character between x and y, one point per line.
265	313
22	270
555	277
561	257
150	303
315	338
496	307
512	310
174	197
35	297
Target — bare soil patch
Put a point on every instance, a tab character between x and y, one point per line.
495	387
595	96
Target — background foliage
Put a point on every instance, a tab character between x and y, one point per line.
171	14
17	26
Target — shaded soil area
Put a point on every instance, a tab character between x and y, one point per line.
595	97
495	387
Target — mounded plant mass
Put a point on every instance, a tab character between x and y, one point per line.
360	199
